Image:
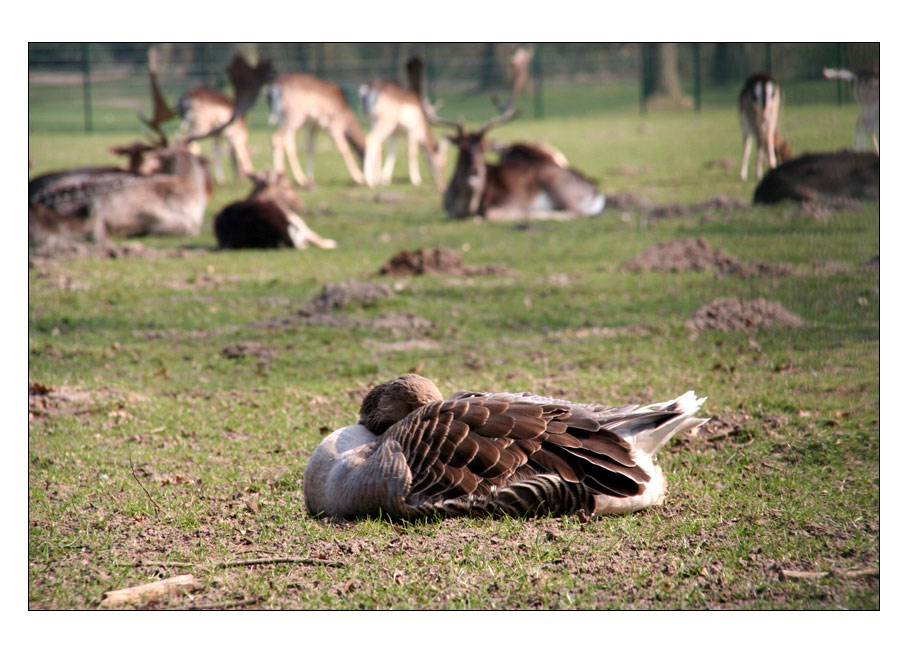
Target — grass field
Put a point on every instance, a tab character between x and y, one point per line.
157	454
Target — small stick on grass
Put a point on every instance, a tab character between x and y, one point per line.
230	564
132	471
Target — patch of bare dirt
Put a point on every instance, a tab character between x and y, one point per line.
686	254
429	261
822	211
244	350
52	401
404	346
730	314
630	202
322	310
336	295
62	249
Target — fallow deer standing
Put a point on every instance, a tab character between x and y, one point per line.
163	191
298	99
202	110
391	108
759	109
527	183
267	218
867	89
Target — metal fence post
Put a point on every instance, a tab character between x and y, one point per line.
696	48
86	89
538	83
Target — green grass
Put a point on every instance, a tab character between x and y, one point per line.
176	453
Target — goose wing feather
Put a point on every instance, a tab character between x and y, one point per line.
516	453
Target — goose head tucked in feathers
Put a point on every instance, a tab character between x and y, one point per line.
413	454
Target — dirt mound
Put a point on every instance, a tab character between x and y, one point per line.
729	314
428	261
686	254
336	295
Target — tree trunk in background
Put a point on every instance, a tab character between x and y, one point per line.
730	63
667	85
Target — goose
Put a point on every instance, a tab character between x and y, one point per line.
415	454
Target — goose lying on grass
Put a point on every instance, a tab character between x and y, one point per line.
414	454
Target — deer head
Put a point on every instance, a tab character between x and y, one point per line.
465	190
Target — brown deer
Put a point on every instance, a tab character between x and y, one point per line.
867	89
528	182
266	218
759	110
391	108
163	191
298	99
823	177
202	110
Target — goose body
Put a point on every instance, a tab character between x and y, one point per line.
414	454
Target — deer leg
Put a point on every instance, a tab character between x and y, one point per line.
242	161
771	151
302	235
289	143
219	159
745	157
372	159
389	167
277	147
413	164
311	153
341	143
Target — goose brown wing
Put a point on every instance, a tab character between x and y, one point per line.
477	444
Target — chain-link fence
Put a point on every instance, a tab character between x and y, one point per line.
100	86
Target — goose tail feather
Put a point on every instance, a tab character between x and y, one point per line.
649	440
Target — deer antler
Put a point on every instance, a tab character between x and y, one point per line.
415	76
162	112
247	80
520	62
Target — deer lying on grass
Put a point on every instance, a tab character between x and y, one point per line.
266	218
759	110
202	110
823	177
867	89
298	99
528	182
391	108
163	191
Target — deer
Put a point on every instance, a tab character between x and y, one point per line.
823	177
267	218
867	89
201	110
391	108
528	182
298	99
759	110
163	191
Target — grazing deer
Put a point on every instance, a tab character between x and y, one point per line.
823	177
163	191
528	182
867	89
298	99
759	110
391	108
202	110
266	218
